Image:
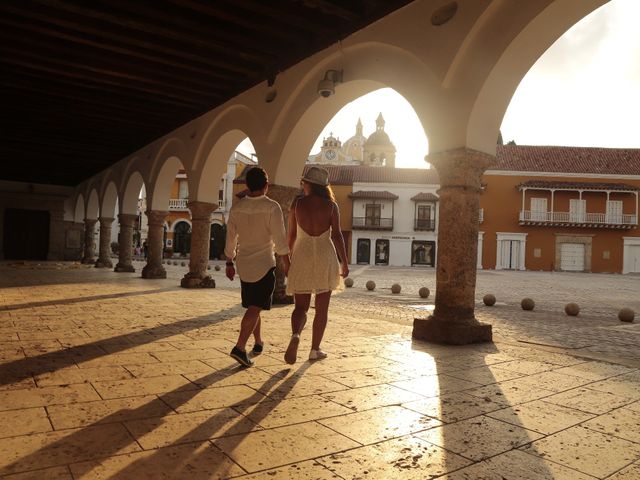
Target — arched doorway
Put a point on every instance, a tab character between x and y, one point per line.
217	241
182	238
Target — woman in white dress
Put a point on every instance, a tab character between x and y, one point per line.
318	258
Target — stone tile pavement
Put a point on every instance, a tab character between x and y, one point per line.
108	376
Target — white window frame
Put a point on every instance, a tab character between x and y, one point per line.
521	237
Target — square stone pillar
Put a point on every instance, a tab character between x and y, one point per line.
154	268
197	276
104	255
56	235
453	320
125	243
89	241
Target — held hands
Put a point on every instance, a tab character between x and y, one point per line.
231	272
345	271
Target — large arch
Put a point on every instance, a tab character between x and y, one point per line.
158	197
131	194
93	205
78	213
109	201
372	66
533	39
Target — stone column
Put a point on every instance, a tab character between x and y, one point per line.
104	254
453	320
56	235
89	240
284	196
154	268
125	242
197	276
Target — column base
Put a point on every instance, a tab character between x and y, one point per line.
193	280
150	272
88	260
104	263
124	268
450	332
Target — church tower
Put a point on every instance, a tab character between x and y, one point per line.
353	148
378	149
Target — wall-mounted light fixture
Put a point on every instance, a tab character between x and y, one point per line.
327	86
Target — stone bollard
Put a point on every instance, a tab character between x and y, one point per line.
424	292
396	288
527	304
371	285
489	300
348	282
626	315
217	268
572	309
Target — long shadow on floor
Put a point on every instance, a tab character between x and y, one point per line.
23	368
94	298
234	435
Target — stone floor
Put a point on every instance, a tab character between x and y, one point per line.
108	376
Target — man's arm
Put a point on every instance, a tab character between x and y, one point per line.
230	246
279	236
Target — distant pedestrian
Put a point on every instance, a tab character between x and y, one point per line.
145	249
255	227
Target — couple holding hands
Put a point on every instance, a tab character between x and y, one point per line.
310	255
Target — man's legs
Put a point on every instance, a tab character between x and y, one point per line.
248	326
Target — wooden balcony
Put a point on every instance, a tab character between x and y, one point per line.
578	219
372	223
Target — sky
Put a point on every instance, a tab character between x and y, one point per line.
583	91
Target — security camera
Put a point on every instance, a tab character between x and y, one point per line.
326	88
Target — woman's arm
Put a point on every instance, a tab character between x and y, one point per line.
293	225
338	240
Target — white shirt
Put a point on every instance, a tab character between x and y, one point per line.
255	226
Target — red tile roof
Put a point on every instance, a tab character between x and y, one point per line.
577	185
348	174
384	195
425	197
591	160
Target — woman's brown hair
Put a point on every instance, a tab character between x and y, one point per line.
323	191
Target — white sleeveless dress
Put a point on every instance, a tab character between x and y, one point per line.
314	264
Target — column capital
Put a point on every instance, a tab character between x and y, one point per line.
106	220
156	217
90	222
284	195
201	210
127	219
460	167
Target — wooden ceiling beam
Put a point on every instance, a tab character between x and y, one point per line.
181	37
129	38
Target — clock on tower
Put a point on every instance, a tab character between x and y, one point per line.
330	155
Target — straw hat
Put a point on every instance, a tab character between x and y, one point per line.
316	175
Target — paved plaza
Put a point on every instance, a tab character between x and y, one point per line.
107	376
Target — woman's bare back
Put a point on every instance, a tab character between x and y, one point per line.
314	214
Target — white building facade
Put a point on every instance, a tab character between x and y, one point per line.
394	224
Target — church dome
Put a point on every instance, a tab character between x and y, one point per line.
379	138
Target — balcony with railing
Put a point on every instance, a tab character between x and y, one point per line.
178	204
424	224
372	223
578	219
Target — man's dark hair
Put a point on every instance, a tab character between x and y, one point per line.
256	179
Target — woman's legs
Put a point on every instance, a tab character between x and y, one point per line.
320	319
298	319
299	314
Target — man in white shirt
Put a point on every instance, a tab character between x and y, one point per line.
254	230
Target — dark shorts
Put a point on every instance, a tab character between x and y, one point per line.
260	293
